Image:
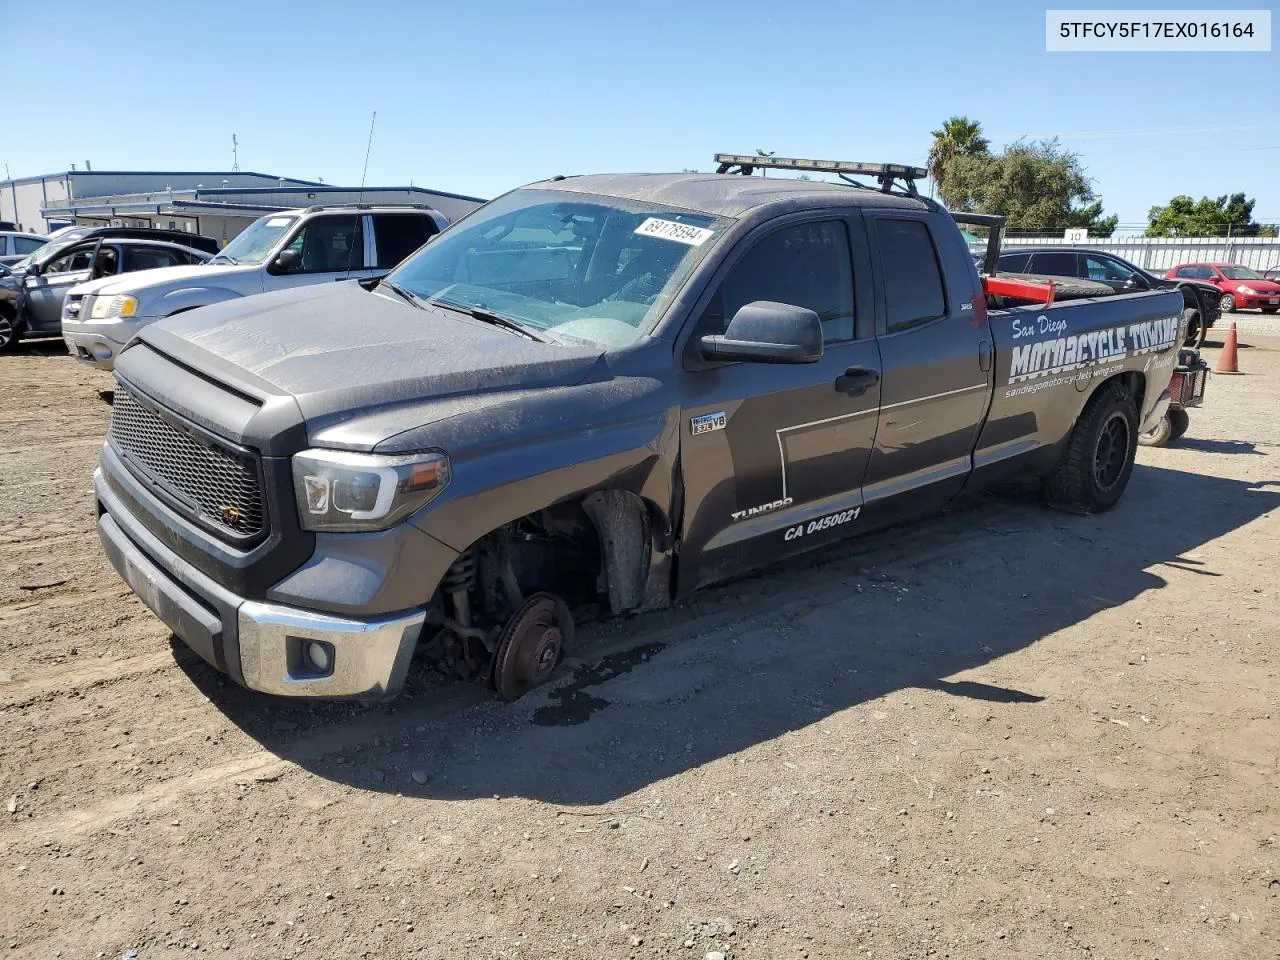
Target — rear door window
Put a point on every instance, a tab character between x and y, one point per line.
399	234
806	265
330	244
1106	270
1014	262
151	258
1055	264
913	288
25	245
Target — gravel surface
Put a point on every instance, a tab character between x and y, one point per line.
1003	732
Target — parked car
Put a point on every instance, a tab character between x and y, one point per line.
278	251
580	382
1201	299
14	246
182	237
32	299
1242	288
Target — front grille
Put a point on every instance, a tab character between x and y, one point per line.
217	486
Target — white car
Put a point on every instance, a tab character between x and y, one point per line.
280	250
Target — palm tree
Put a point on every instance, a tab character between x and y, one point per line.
959	136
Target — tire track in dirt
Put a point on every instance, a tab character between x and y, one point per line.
79	677
44	444
15	609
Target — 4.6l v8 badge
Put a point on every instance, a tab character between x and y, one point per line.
707	422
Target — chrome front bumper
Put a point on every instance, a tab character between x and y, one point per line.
367	658
263	645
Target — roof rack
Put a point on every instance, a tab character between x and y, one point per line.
365	206
886	174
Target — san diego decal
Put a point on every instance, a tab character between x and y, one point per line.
1046	357
1083	356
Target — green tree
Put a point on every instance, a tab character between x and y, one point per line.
957	137
1227	215
1036	185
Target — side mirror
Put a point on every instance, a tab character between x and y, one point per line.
34	270
767	332
287	261
1132	284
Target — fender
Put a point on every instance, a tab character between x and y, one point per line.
517	457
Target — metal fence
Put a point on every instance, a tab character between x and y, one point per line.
1160	254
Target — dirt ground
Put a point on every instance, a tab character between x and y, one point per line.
1004	732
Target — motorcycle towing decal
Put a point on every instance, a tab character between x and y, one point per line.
1060	360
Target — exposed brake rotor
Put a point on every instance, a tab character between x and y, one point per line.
531	645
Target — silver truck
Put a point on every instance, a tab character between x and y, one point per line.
292	248
594	394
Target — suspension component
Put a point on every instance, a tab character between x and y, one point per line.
457	583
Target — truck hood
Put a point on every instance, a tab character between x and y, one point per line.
341	351
197	274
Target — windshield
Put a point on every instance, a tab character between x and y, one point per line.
1241	273
43	254
256	242
577	267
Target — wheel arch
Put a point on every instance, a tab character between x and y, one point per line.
634	536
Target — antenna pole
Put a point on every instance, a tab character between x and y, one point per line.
235	154
367	150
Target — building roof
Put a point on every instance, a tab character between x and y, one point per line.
36	178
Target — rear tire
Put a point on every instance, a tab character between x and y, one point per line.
1179	420
1158	435
1196	330
1098	459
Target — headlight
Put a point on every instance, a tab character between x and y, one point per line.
341	491
1248	290
113	308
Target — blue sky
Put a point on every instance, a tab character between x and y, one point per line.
480	97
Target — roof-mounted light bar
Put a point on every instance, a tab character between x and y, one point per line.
901	171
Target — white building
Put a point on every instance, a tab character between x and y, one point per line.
217	204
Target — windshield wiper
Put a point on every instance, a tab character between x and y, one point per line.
223	258
488	316
412	299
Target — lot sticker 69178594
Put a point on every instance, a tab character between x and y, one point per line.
673	230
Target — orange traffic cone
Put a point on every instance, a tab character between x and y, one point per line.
1227	359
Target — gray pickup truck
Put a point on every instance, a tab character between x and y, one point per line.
593	395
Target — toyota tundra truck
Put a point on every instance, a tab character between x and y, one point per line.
592	396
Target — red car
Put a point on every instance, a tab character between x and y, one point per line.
1242	288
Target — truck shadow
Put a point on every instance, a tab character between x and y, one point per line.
745	663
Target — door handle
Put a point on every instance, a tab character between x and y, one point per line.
857	380
984	355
